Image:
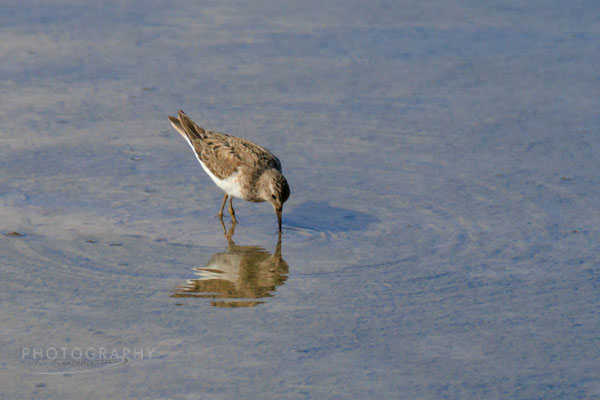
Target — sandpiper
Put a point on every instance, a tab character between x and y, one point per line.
241	168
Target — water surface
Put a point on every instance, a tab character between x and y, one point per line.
441	239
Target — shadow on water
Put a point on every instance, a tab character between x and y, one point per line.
240	272
320	216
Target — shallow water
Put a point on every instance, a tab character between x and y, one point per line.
441	239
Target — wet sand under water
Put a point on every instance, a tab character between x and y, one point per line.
441	239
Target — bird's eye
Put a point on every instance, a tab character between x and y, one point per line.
273	196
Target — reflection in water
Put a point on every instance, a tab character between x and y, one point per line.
240	272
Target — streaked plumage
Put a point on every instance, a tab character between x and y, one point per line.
239	167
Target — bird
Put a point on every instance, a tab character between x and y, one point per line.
242	169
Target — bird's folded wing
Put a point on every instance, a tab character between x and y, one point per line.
217	155
223	154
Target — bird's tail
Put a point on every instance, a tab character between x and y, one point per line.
178	127
187	128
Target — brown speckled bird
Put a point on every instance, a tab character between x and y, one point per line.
241	168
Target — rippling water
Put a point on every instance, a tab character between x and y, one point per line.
441	239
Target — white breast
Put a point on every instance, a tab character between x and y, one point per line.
229	185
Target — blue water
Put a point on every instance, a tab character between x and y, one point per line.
441	239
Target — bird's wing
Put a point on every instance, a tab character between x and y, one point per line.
212	148
259	156
223	154
217	154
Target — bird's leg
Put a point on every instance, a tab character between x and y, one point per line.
220	213
231	210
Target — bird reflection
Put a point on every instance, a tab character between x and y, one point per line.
240	272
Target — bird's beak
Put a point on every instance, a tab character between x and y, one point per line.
278	212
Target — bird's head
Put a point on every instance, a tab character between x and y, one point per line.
274	188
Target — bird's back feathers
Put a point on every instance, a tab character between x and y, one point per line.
224	154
